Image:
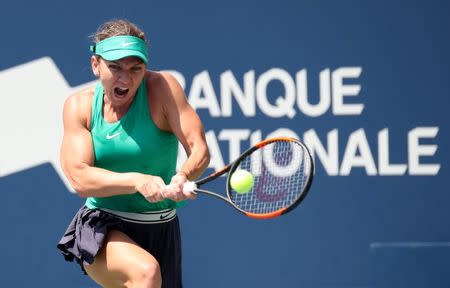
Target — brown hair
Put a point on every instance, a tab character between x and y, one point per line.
117	27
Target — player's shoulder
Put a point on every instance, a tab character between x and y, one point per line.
78	106
85	94
163	81
81	98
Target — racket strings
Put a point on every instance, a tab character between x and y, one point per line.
280	170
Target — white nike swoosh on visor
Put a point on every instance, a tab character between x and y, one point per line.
108	137
128	44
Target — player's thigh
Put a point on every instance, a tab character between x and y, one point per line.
122	262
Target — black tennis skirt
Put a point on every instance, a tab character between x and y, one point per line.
87	233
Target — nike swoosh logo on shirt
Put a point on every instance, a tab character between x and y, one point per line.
109	137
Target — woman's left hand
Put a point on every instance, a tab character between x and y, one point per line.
174	190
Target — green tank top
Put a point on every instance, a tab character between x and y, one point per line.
132	144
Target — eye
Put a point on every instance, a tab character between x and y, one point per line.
136	69
114	67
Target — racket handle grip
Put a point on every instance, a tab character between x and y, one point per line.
189	187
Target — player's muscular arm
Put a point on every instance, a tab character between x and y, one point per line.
184	122
77	155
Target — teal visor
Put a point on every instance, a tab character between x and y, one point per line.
118	47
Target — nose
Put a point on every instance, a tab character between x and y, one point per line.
125	77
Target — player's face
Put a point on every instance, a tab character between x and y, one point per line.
120	78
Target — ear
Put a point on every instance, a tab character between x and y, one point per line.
95	63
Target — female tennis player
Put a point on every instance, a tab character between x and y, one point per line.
119	150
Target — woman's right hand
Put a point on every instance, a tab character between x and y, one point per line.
151	187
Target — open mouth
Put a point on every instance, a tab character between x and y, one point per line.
120	91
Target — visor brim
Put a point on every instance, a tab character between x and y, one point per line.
120	54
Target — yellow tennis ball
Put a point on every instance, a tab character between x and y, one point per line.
242	181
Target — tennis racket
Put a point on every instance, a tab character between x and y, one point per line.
282	170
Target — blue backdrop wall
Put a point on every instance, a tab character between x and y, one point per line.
364	83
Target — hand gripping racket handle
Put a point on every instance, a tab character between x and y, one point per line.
189	187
